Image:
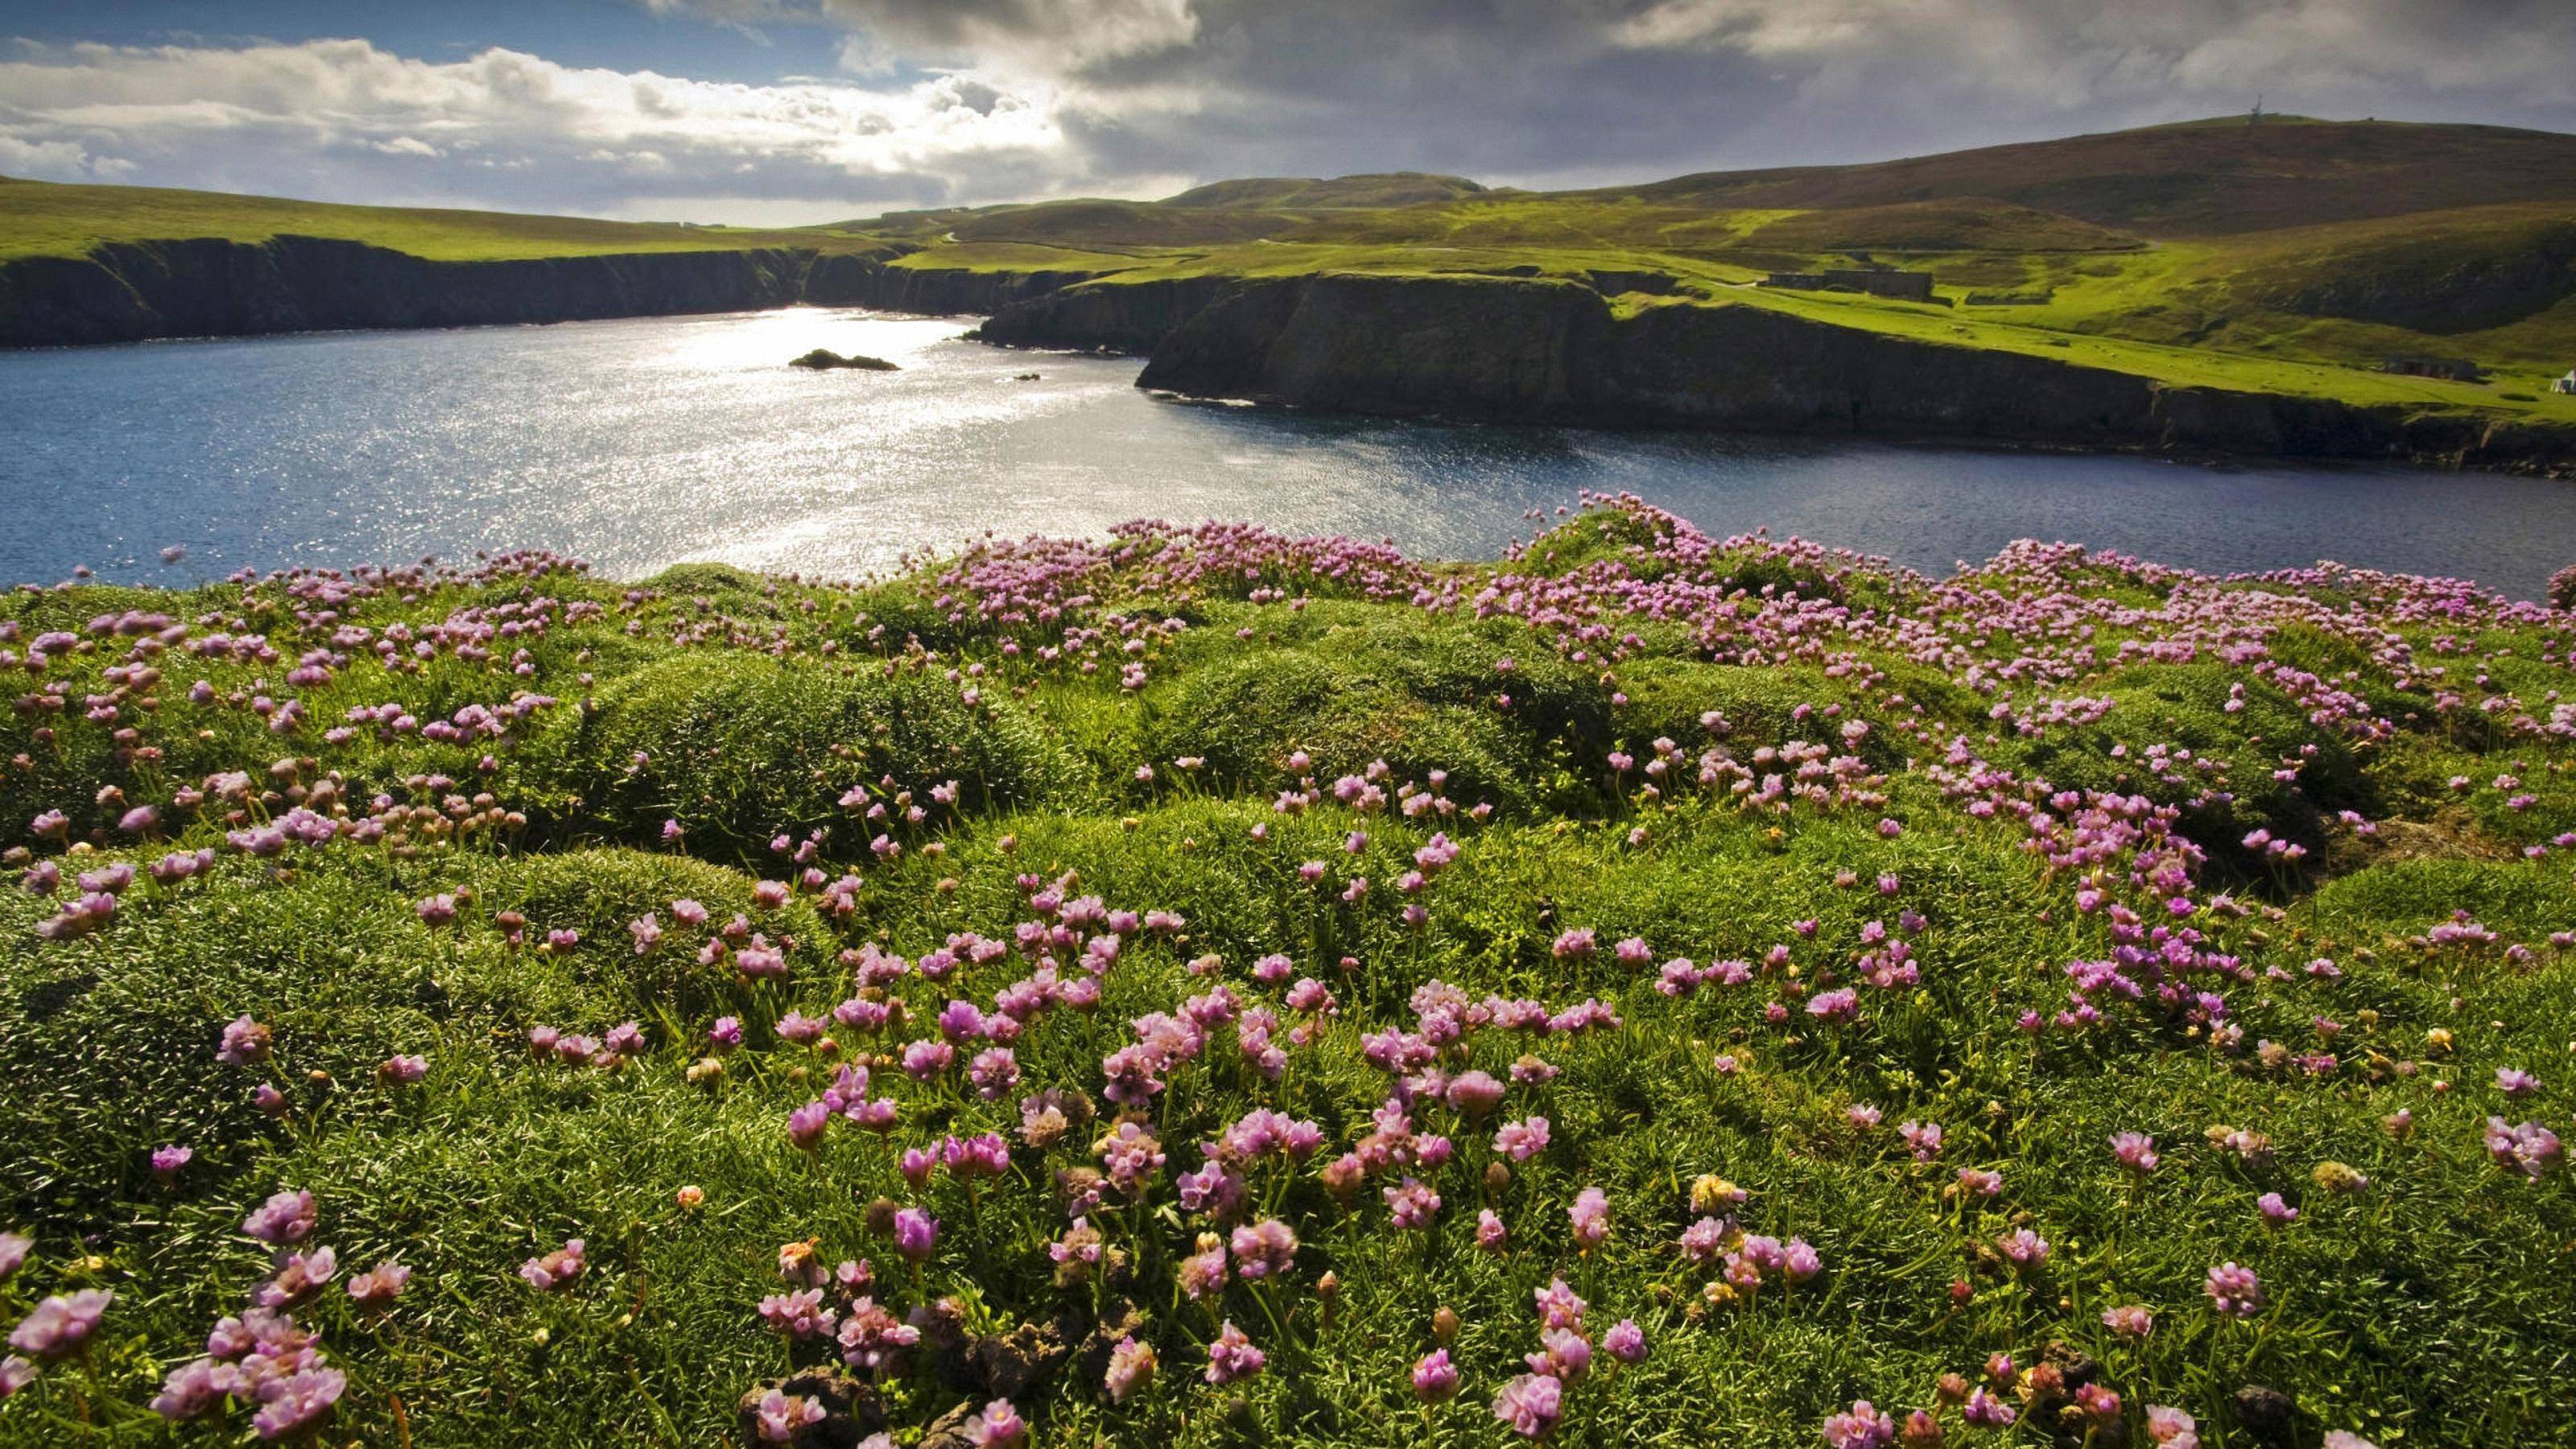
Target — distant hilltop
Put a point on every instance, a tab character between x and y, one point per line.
2420	277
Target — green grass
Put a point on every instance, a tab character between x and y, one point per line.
2426	1309
2290	258
40	218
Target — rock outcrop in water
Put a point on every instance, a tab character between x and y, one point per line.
1550	351
824	359
125	292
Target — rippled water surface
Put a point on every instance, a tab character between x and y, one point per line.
646	442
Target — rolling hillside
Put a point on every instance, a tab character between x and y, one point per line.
50	219
2291	257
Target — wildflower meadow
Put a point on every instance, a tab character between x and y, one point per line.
1203	987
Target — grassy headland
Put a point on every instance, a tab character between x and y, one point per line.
47	219
2288	258
1213	934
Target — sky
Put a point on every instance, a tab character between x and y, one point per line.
782	112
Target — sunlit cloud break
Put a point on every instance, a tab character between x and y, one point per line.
506	125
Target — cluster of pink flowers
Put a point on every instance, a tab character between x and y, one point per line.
263	1359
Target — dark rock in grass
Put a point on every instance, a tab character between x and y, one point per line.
947	1346
1011	1363
1120	1320
851	1410
952	1430
823	359
2266	1415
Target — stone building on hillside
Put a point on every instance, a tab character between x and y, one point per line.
2456	369
1911	286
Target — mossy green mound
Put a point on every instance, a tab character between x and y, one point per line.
1775	884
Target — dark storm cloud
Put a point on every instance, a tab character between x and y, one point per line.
909	102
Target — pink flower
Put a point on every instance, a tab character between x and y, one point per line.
1985	1411
1435	1379
2529	1148
1412	1204
556	1269
916	1233
1232	1356
1266	1249
783	1416
1531	1405
1520	1141
999	1426
1839	1005
59	1325
1591	1217
2130	1321
805	1125
285	1218
798	1314
295	1403
2025	1250
1557	1305
1564	1355
2136	1151
2171	1428
2235	1291
1625	1341
1861	1426
1473	1094
245	1041
379	1286
1131	1366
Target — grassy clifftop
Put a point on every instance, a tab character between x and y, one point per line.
42	218
1199	986
2291	257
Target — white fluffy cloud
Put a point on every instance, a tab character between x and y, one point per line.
2326	52
293	117
950	101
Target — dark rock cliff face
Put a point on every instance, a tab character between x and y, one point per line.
1548	351
212	288
1508	349
1108	316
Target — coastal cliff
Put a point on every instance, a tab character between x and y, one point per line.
1505	348
1545	350
127	292
1132	317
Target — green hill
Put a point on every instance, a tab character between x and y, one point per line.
1804	980
1388	188
44	218
2291	255
2200	178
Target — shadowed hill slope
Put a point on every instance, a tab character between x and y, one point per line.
2200	178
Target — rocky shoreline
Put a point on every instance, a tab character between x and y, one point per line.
1547	351
131	292
1501	349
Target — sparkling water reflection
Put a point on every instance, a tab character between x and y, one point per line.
646	442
